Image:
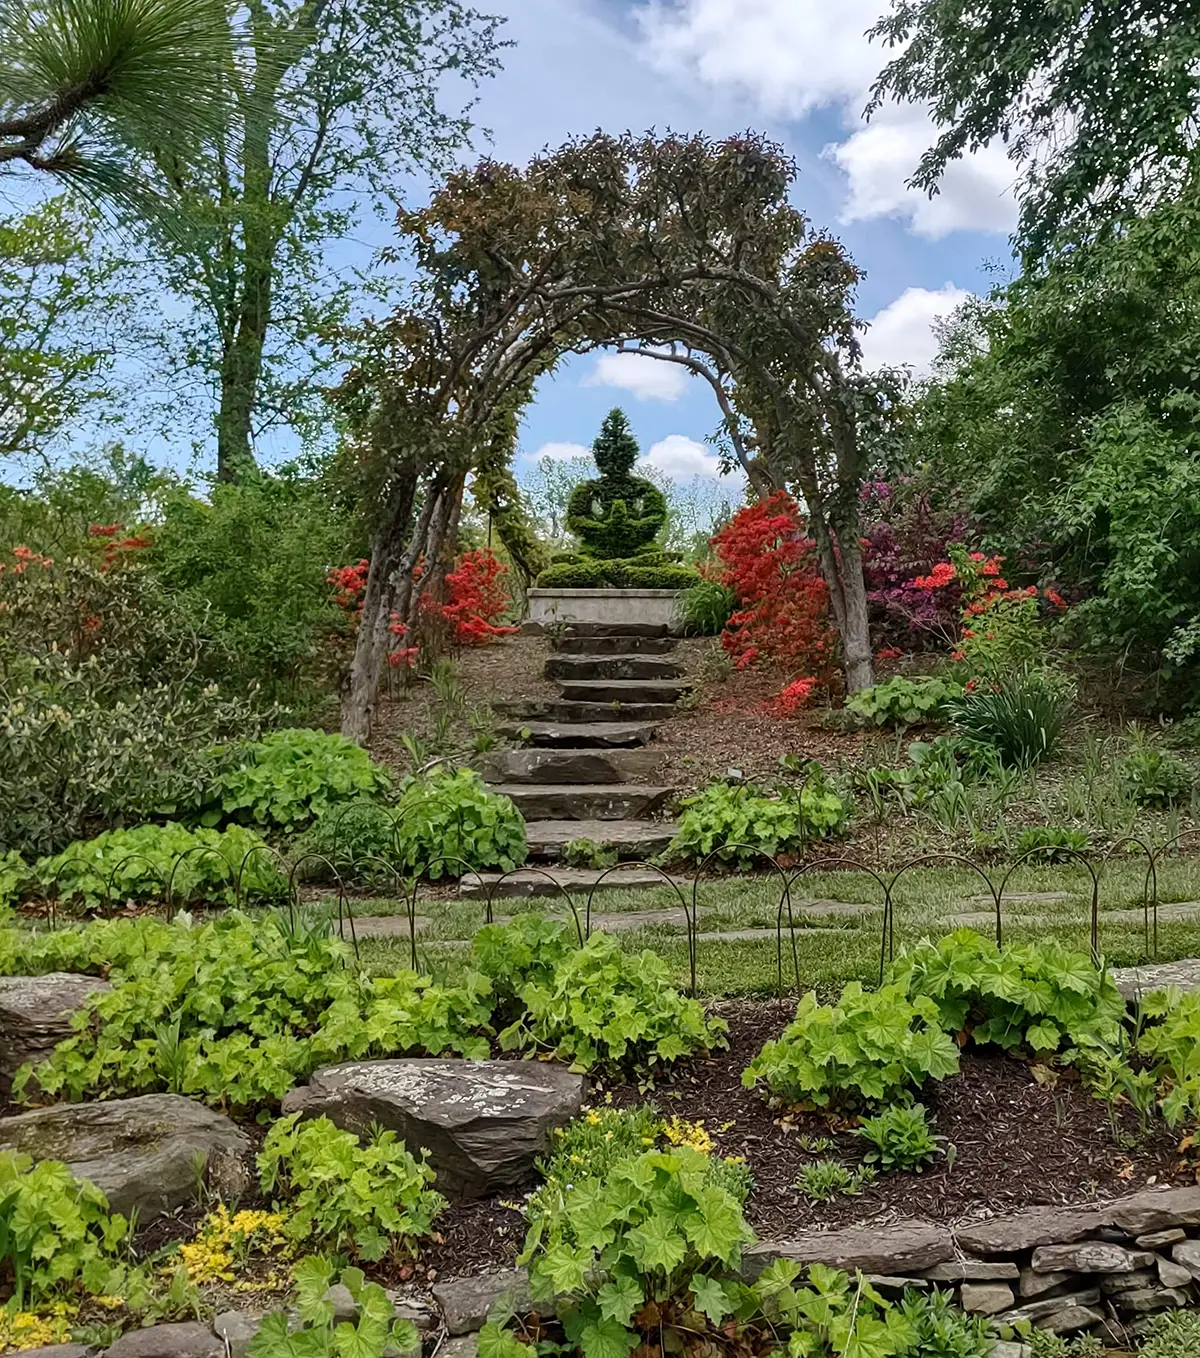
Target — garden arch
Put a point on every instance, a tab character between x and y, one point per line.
682	248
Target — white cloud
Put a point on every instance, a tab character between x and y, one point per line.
648	379
791	57
903	331
975	193
558	452
682	458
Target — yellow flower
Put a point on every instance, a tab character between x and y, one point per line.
680	1132
110	1303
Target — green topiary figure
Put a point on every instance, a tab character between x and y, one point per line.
621	514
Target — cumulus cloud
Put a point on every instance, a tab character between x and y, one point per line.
682	458
903	331
648	379
559	452
791	57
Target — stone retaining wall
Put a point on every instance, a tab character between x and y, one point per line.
1104	1268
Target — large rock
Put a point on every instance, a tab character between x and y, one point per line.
1187	1255
635	666
585	801
986	1299
1090	1256
484	1123
187	1339
36	1014
905	1247
1156	1209
149	1154
570	766
465	1302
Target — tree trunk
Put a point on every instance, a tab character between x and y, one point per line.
855	625
361	686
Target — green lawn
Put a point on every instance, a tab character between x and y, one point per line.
831	951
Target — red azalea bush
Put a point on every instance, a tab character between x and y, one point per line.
770	564
791	698
905	536
477	596
1000	627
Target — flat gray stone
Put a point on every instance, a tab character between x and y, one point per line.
630	838
533	765
1028	1229
188	1339
1039	1284
566	711
1161	1240
581	734
1089	1256
585	801
416	1311
596	629
1071	1320
623	645
893	1286
1036	1312
627	666
1113	1283
236	1329
58	1351
142	1152
1156	1209
623	690
342	1300
552	882
1147	1300
484	1123
1173	1275
465	1302
972	1271
1134	982
904	1247
1187	1255
460	1346
1005	1348
1024	898
985	1299
381	926
36	1014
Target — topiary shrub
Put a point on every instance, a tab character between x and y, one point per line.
582	575
620	513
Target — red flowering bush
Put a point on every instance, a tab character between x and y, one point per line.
791	698
477	596
1001	627
770	564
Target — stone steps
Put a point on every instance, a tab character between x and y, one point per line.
621	645
623	690
560	710
611	667
632	839
600	630
585	801
570	766
580	735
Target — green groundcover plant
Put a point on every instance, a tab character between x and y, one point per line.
900	1137
288	779
56	1232
594	1006
237	1011
368	1195
871	1047
737	823
1042	997
1170	1042
901	702
141	864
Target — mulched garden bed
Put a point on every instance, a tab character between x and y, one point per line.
1019	1144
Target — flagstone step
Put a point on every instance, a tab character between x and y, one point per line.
585	801
570	766
596	629
632	839
560	710
611	667
622	645
1134	982
623	690
580	734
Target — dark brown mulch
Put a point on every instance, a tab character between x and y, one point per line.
1019	1144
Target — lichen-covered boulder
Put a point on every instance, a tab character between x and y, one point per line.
484	1123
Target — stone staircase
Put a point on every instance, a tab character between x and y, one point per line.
587	769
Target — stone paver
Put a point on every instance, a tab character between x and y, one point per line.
561	666
581	734
382	926
552	881
1134	982
630	838
623	690
586	801
540	766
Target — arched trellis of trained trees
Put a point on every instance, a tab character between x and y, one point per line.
687	249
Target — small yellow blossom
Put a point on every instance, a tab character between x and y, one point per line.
680	1132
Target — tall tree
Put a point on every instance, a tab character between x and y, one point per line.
64	312
89	89
1097	102
331	98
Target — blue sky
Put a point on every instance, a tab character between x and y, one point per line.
798	70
